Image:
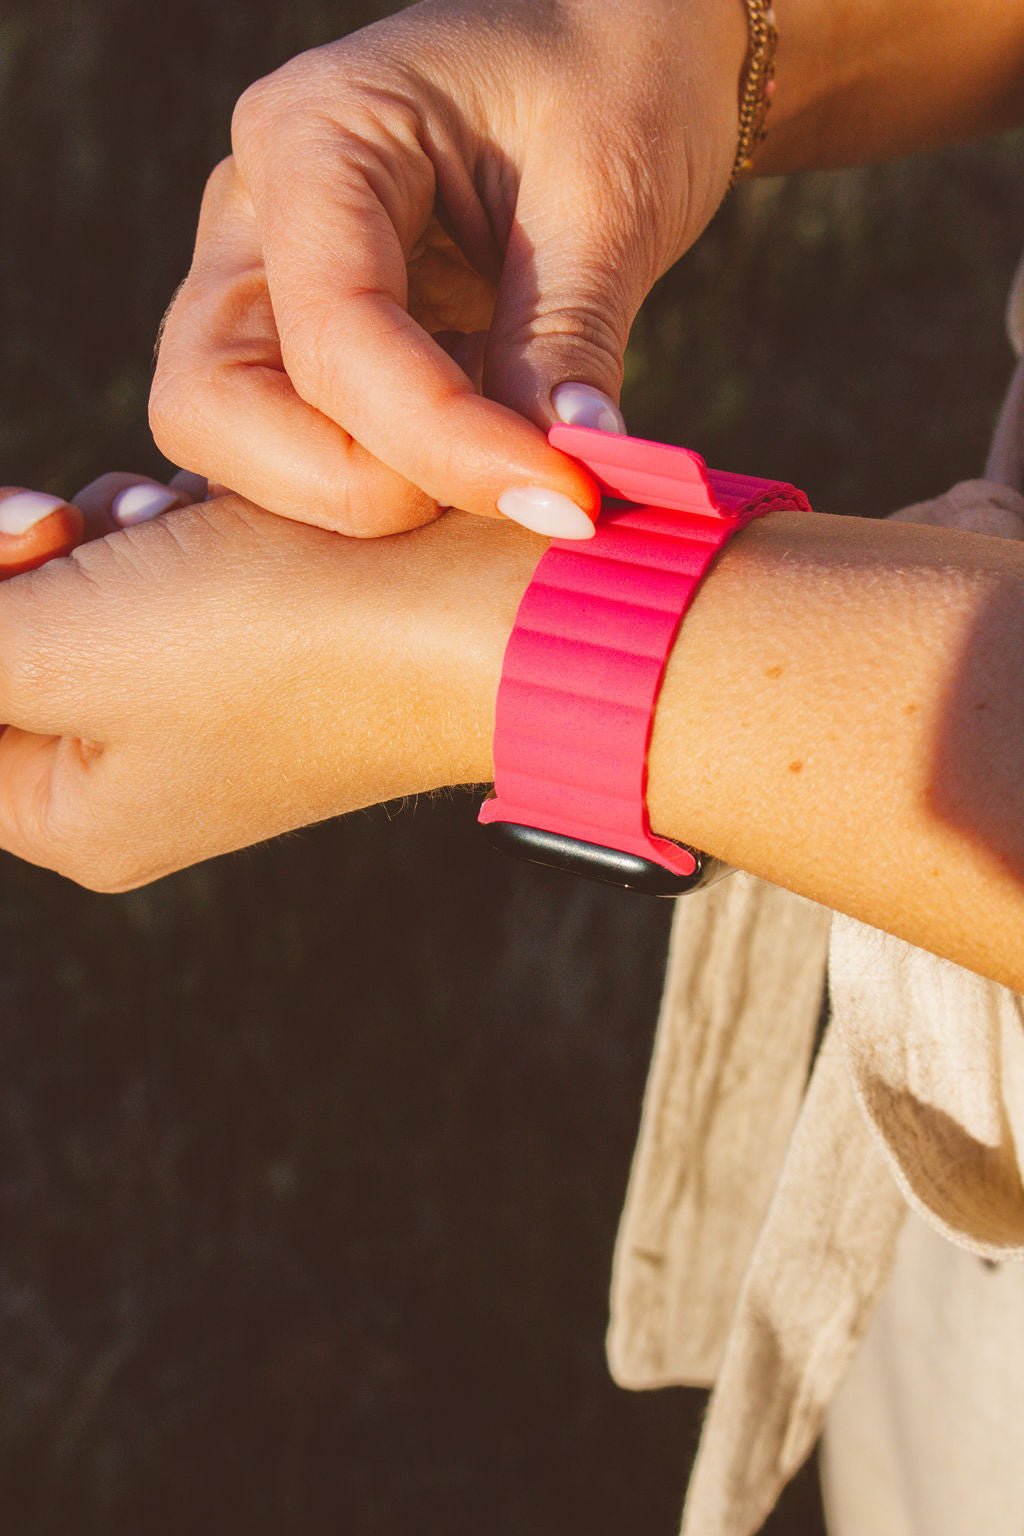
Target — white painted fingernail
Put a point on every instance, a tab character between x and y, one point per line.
581	405
138	503
24	509
545	511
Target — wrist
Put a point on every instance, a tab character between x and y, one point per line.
483	568
587	655
815	725
471	573
854	86
816	58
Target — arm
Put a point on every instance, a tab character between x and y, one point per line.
430	226
841	713
864	80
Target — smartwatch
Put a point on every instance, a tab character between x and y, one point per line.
587	654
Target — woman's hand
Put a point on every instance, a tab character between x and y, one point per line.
202	681
464	196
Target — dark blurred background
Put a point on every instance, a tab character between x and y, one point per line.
312	1157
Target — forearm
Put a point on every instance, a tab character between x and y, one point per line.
865	80
841	715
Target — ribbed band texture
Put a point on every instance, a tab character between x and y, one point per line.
594	630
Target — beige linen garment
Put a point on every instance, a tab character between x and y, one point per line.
767	1214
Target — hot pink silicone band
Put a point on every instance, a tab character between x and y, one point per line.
592	636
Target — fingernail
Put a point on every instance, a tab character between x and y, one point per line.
24	509
138	503
581	405
189	484
545	511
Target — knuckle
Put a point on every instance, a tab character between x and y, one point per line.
220	186
361	499
164	419
360	516
174	412
50	824
111	876
96	870
273	97
581	328
586	323
377	117
252	110
307	338
171	393
73	853
72	829
165	320
93	856
96	831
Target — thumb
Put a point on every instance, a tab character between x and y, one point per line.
562	316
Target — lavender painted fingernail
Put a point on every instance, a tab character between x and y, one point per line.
544	511
139	503
189	484
581	405
20	512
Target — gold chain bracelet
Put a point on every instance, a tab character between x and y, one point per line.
758	85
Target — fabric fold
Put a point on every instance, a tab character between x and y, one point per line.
742	998
821	1260
939	1071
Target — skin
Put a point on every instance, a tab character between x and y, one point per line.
519	173
128	672
863	80
129	669
471	195
55	535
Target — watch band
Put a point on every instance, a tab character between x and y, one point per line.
586	657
